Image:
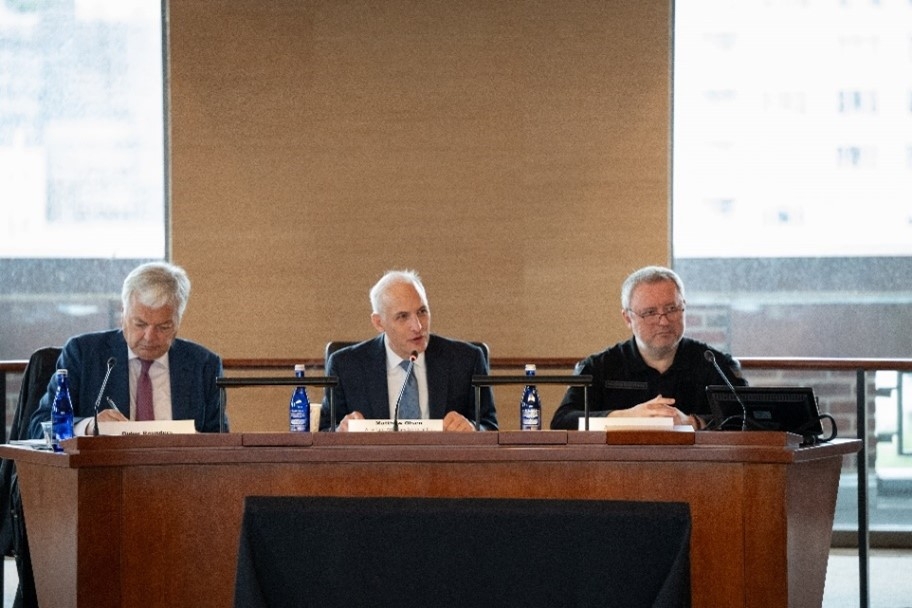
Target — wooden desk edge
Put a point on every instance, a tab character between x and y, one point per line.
556	445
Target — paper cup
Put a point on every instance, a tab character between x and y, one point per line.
315	409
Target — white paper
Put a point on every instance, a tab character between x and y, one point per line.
38	444
616	423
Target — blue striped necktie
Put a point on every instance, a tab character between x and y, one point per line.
408	406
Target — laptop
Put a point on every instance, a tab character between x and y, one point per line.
769	408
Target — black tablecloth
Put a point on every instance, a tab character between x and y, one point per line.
462	553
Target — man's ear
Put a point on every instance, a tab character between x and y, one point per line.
627	320
377	322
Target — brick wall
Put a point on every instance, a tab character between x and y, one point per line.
835	390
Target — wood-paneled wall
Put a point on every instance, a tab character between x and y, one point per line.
516	154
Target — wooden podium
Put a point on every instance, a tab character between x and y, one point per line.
155	521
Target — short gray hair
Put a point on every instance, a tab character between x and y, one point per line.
157	284
394	277
648	274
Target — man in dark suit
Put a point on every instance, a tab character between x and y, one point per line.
181	374
372	373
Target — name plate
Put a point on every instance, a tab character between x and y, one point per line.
381	426
146	427
619	423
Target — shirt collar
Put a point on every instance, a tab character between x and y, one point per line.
393	360
163	360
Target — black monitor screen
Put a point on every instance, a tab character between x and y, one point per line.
769	408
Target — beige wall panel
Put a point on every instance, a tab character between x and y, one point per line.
515	153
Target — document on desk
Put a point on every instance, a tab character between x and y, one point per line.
619	423
146	427
35	444
380	426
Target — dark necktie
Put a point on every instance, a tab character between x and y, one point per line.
144	407
408	406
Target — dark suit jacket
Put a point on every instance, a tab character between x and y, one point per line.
361	369
193	373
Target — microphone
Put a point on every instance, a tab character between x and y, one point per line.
709	356
104	383
408	374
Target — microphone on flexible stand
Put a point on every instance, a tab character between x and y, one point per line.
709	356
408	374
104	383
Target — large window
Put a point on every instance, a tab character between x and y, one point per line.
792	198
793	126
82	186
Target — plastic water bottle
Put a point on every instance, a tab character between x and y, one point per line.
299	409
530	405
62	411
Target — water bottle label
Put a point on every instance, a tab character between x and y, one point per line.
299	409
300	422
530	419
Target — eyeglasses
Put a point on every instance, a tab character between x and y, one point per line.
671	313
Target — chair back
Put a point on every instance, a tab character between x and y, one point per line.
35	379
13	538
332	347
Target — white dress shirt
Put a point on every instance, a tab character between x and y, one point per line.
161	391
395	377
160	376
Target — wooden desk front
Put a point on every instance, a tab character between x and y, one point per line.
155	521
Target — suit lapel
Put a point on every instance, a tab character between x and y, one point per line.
378	392
436	380
180	381
119	382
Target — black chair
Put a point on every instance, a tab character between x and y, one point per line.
13	539
332	347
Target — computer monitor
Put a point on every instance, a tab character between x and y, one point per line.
769	408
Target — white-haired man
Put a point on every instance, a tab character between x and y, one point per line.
155	374
372	373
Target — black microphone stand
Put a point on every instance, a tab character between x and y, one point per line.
709	356
104	383
408	374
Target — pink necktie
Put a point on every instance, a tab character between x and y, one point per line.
144	408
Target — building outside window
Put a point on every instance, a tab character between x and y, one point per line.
82	167
792	204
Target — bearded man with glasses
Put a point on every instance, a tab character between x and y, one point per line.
657	372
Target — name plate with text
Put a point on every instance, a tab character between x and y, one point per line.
619	423
146	427
380	426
